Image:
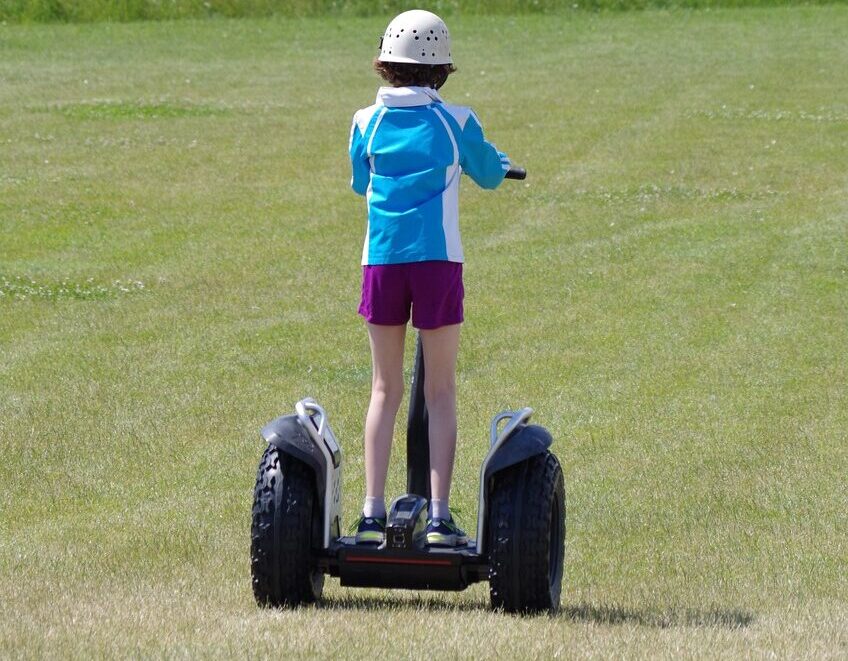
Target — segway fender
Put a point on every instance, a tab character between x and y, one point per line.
288	436
526	442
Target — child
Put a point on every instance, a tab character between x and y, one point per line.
407	152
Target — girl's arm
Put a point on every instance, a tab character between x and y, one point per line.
360	167
480	159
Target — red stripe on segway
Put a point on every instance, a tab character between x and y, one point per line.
397	561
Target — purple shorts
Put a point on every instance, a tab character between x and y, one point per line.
432	289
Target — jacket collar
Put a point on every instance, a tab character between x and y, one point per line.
405	97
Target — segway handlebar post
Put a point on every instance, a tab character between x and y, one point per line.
417	437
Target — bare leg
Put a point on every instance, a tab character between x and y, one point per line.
440	348
386	395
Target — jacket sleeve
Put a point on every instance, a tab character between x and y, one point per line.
361	169
480	159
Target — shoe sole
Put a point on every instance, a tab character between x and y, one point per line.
370	538
438	539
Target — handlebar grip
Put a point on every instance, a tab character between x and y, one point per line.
516	173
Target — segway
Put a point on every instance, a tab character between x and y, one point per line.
296	535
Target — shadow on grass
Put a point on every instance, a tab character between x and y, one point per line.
591	613
367	603
661	619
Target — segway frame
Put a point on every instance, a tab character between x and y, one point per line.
313	442
307	437
404	561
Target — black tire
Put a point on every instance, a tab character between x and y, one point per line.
526	536
285	533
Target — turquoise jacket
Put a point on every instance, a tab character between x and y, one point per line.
407	152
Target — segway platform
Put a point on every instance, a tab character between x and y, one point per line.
361	565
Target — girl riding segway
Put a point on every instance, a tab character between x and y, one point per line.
407	152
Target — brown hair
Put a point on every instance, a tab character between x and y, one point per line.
401	74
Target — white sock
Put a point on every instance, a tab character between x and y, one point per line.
374	508
439	509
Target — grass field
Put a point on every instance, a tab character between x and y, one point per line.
76	11
669	289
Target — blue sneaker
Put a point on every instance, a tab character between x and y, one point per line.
444	532
370	530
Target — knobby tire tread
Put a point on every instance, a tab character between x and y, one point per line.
519	535
281	546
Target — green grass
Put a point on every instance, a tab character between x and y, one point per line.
667	289
137	110
70	11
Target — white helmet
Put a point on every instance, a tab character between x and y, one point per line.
416	37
